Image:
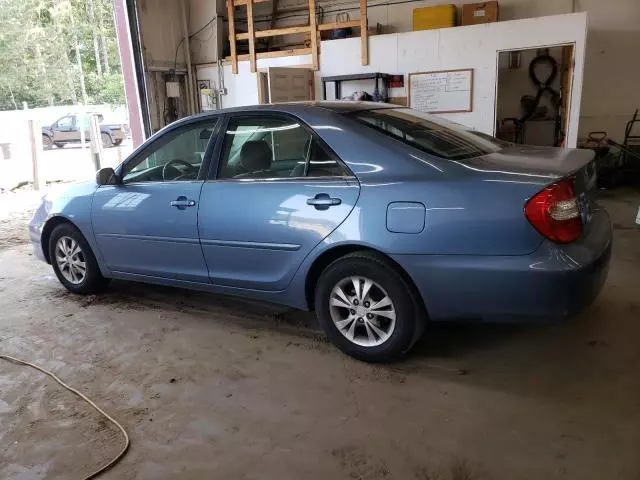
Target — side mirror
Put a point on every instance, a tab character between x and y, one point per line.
106	176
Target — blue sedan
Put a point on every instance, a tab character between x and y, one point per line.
379	218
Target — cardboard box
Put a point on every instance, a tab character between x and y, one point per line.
440	16
475	13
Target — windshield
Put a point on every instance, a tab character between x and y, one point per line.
428	133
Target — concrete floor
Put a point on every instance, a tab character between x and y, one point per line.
212	387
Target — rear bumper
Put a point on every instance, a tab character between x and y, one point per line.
35	231
555	280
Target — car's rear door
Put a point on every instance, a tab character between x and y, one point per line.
259	218
148	224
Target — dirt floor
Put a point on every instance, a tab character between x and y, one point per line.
212	387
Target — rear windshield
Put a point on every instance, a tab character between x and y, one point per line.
428	133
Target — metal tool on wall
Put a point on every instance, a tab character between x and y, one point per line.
531	104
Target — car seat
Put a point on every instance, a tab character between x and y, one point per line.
255	158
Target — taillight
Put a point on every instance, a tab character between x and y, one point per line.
555	212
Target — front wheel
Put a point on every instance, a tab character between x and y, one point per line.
73	261
367	308
107	141
47	143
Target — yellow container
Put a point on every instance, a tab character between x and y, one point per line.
440	16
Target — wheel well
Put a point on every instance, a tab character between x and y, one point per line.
46	234
329	256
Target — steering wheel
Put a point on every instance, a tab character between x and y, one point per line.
165	169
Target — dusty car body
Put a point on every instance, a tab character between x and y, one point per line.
378	217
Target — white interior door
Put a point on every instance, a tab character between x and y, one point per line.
289	84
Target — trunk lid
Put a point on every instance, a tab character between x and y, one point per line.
545	165
554	163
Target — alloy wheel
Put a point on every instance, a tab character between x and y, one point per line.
362	311
71	260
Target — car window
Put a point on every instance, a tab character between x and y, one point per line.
324	164
85	119
65	122
264	147
428	133
175	156
272	146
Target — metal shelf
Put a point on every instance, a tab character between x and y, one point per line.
338	79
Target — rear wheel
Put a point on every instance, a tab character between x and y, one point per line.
59	145
367	308
117	142
73	261
107	141
47	143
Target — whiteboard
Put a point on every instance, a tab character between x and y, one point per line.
447	91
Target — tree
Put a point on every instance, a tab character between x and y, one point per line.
105	6
56	51
96	43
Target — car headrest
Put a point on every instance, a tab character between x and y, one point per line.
256	155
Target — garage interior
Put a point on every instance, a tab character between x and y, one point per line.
217	387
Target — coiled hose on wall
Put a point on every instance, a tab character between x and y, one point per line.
530	103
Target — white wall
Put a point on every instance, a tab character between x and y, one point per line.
14	130
161	30
243	87
612	70
474	47
610	92
206	45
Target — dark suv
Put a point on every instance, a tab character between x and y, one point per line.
67	130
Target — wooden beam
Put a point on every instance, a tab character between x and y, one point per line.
278	53
192	104
364	33
252	46
274	11
273	33
314	33
245	2
339	25
232	37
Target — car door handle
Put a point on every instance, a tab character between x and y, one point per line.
182	202
322	201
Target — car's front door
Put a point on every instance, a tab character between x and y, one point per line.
63	129
277	193
147	225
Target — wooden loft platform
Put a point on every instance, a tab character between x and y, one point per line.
312	29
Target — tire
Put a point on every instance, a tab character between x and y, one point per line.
107	141
391	338
92	281
117	142
47	143
59	145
